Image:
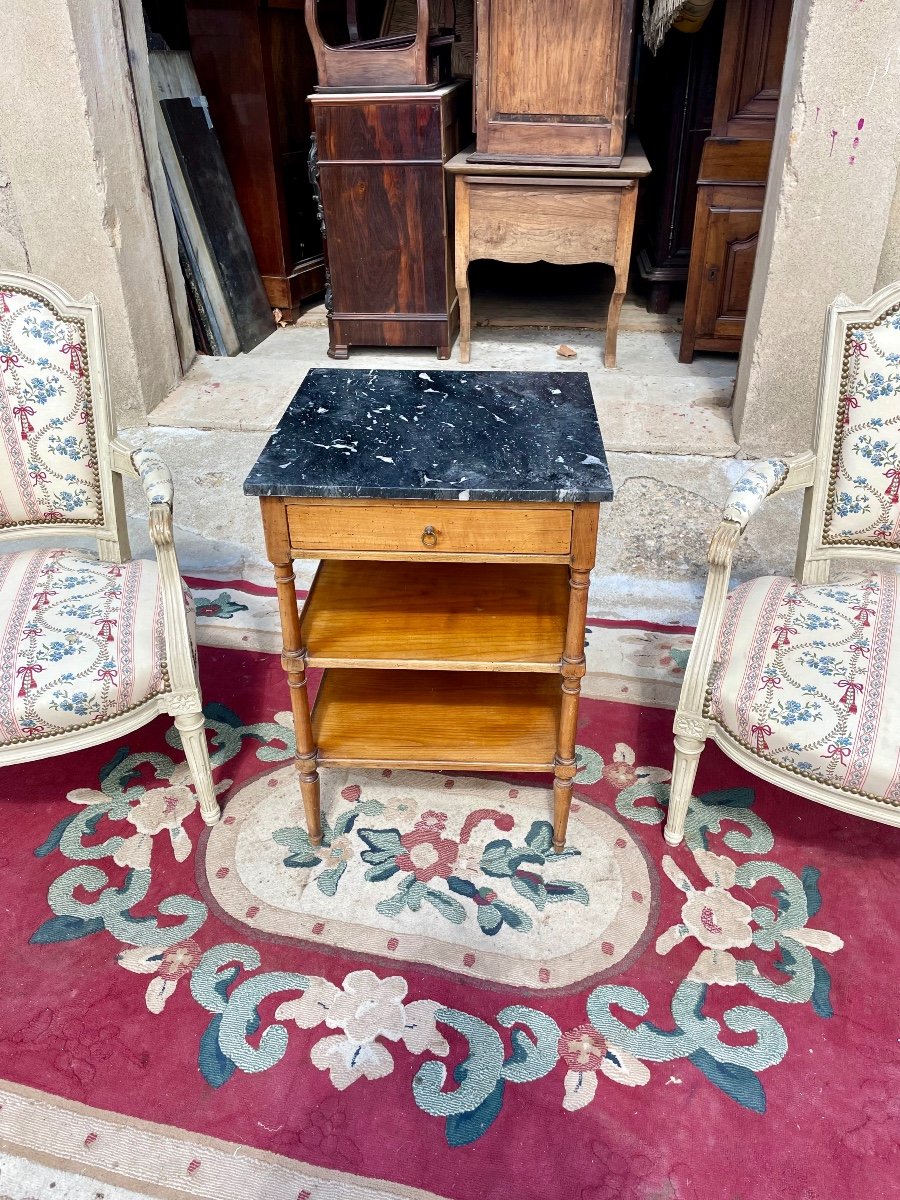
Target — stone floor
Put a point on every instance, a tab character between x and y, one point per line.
666	425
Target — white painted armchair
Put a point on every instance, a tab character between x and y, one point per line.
798	680
91	646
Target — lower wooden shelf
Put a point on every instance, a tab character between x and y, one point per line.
440	616
437	720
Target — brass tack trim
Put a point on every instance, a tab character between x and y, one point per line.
830	539
90	433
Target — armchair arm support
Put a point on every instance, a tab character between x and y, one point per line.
156	479
747	496
762	480
155	476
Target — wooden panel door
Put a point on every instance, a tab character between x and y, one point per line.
754	43
725	239
552	79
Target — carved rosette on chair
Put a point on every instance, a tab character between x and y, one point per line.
798	679
93	646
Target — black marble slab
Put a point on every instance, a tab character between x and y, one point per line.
439	435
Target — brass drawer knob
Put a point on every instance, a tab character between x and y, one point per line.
429	537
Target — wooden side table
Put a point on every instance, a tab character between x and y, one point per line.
562	215
456	519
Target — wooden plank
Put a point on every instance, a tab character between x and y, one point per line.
436	720
173	74
215	203
437	616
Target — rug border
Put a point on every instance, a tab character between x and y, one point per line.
219	1184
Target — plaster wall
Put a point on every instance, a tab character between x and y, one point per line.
831	186
889	266
13	256
73	153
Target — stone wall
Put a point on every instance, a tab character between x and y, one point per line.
831	186
83	215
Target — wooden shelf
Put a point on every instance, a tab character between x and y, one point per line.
437	616
436	720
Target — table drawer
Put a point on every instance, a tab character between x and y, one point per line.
431	529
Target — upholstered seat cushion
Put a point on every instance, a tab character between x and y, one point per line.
81	641
809	678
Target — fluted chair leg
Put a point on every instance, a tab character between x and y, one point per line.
191	726
684	771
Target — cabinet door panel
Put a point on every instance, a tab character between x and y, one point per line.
753	49
551	79
722	261
387	243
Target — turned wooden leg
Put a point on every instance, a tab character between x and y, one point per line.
573	667
293	660
565	766
192	728
684	771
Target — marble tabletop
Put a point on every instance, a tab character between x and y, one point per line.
437	435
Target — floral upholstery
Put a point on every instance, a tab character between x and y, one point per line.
82	641
865	505
809	678
155	476
47	455
759	481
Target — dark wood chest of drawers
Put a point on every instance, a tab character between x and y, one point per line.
386	210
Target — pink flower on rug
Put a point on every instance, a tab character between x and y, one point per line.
427	854
713	916
585	1051
369	1007
312	1007
366	1009
402	810
622	772
167	963
346	1060
340	851
157	809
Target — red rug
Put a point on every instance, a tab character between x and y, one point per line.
434	1001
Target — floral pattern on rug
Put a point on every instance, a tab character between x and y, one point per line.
751	918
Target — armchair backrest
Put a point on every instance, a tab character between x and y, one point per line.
56	424
853	510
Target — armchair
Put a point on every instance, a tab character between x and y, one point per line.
91	646
798	680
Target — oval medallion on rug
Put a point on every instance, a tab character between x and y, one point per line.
453	873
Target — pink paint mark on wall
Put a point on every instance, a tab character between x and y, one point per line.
834	134
818	110
859	125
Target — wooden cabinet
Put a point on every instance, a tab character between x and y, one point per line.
676	91
386	209
551	80
733	171
256	66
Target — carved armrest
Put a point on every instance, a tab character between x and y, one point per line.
757	482
747	496
156	479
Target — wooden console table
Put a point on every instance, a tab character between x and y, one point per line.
455	515
563	215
